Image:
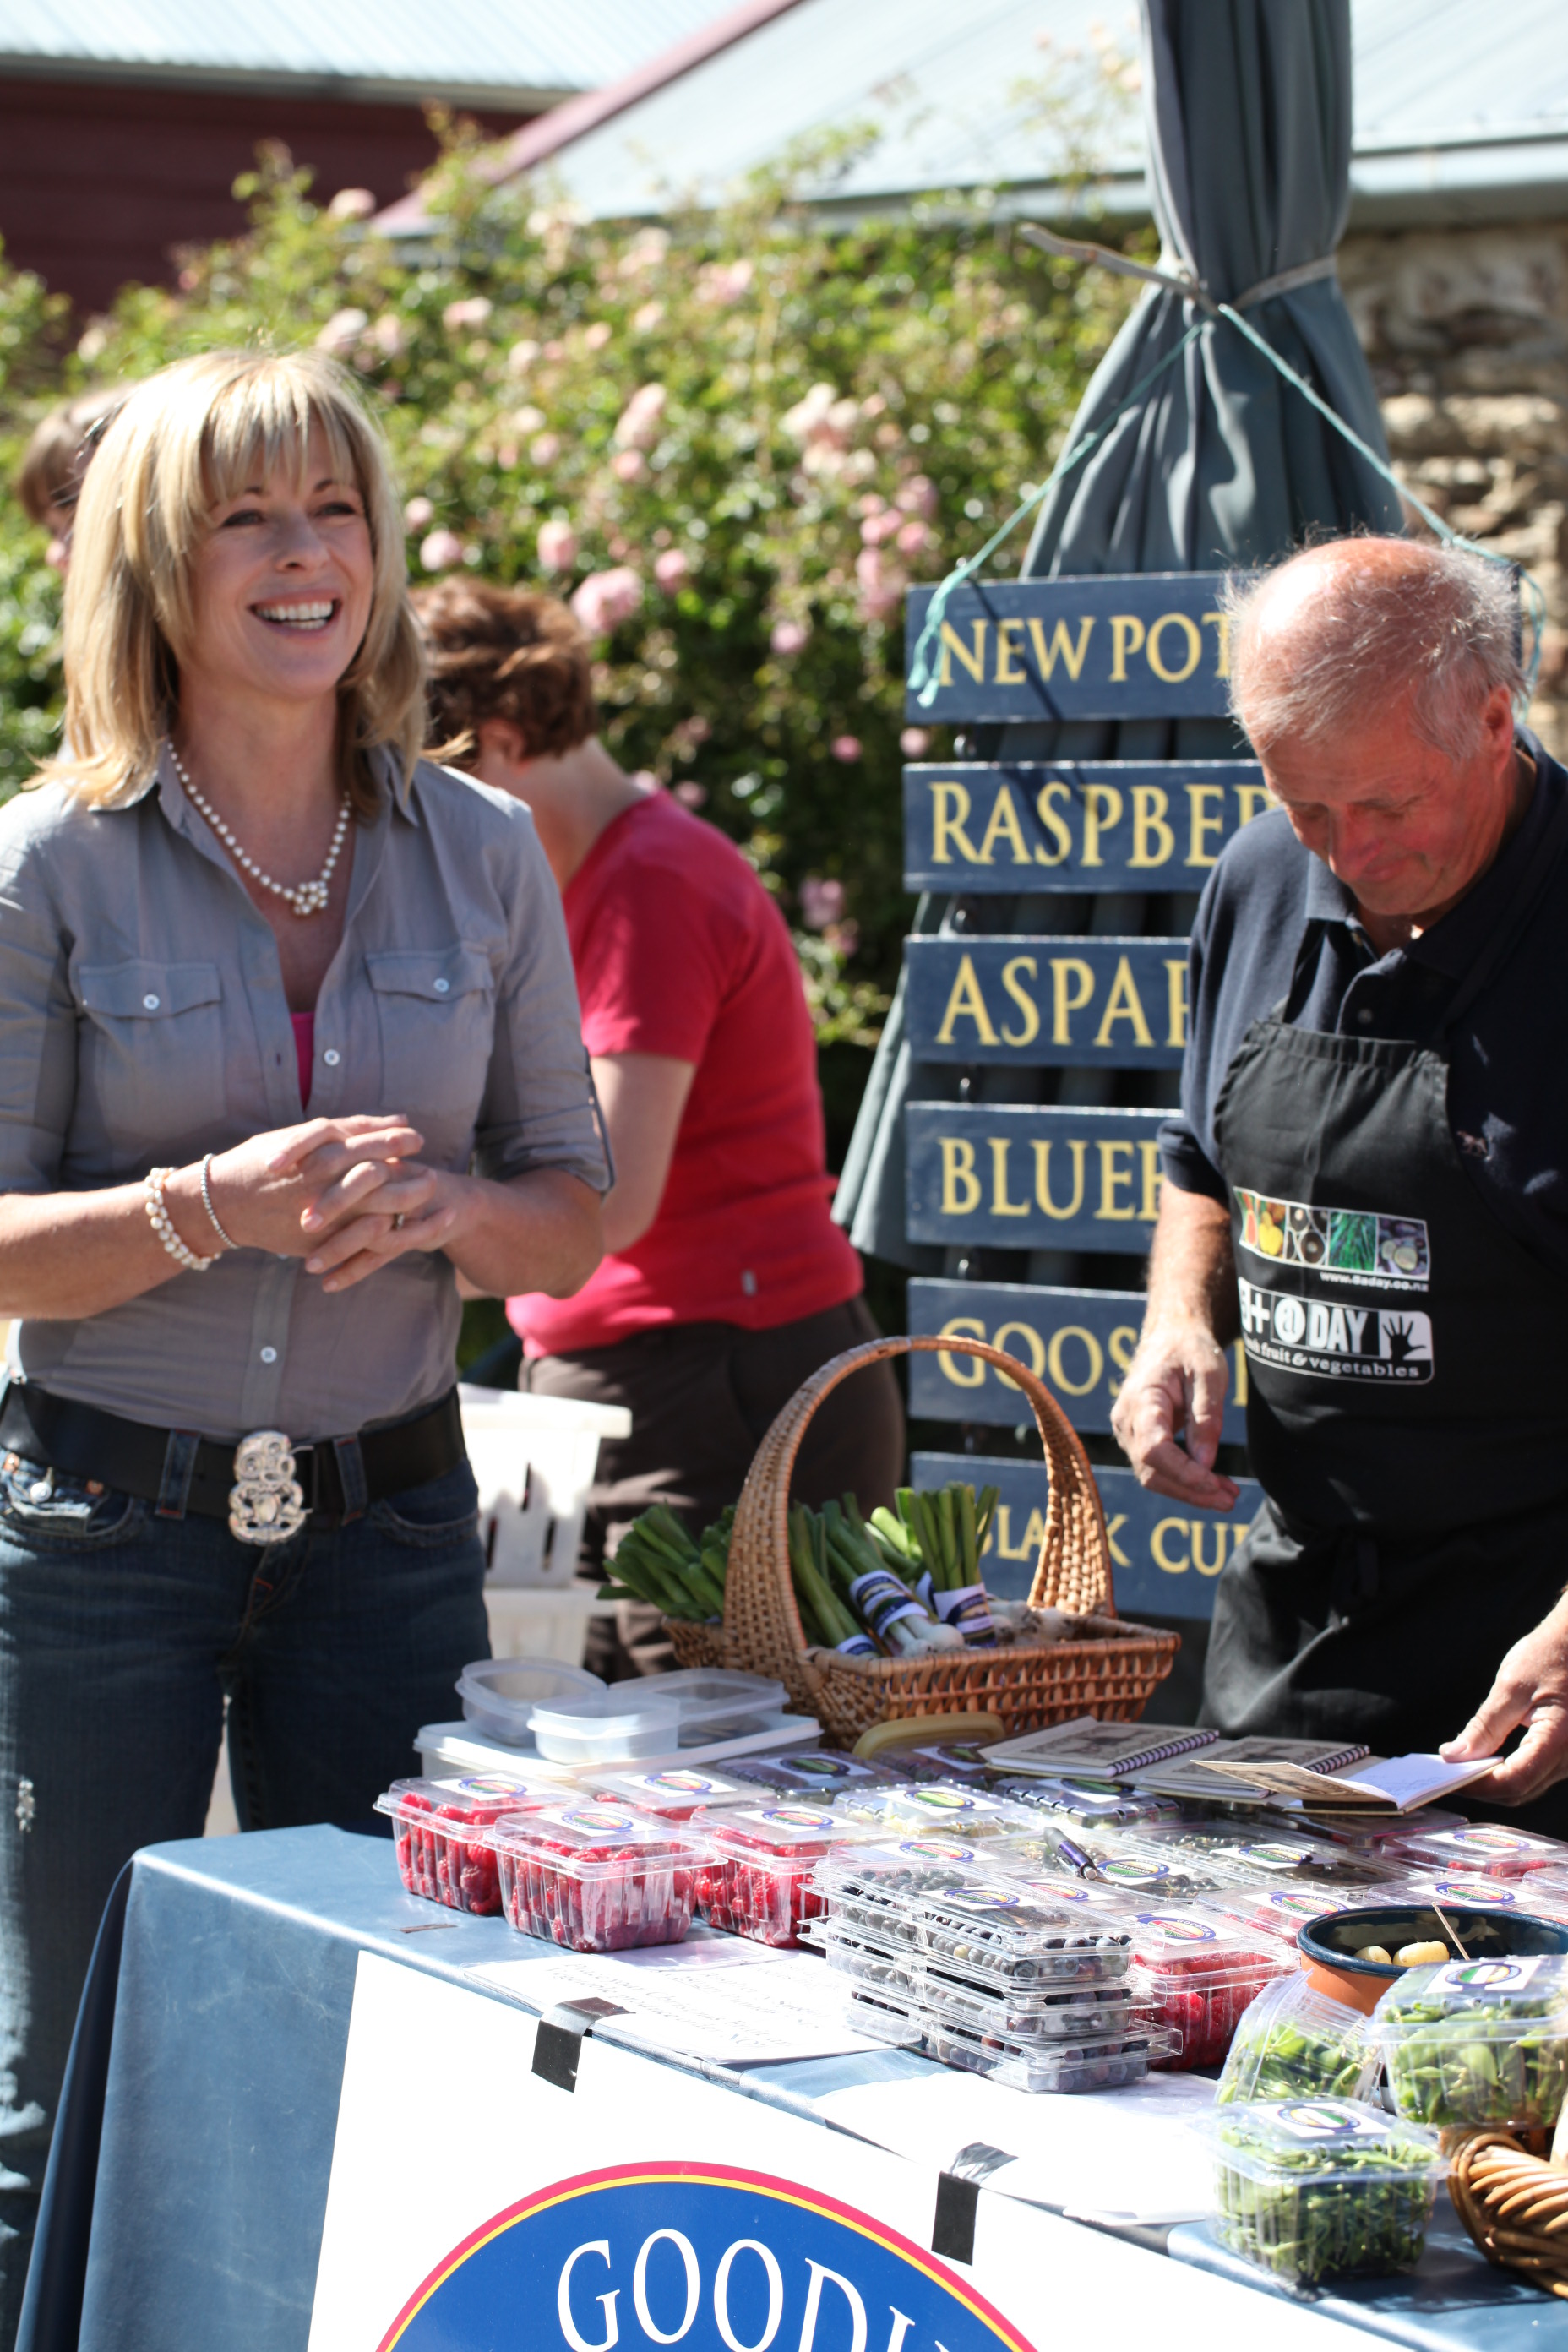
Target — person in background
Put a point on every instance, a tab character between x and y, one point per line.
725	1282
51	478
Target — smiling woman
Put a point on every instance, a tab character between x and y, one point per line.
235	1464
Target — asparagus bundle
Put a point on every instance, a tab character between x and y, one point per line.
935	1543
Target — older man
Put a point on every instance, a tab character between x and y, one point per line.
1369	1177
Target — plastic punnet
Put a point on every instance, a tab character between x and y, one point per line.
1282	1911
673	1794
818	1773
606	1727
1052	2011
1195	1973
499	1694
934	1808
1484	1846
1478	2042
1321	2188
1091	1808
1294	2043
756	1874
1103	2063
881	1886
439	1834
595	1878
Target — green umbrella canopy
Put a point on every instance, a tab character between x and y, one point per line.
1247	116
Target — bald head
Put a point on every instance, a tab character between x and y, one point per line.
1345	632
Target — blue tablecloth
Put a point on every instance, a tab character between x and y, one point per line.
186	2192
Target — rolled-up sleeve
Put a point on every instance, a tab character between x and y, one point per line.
38	1024
538	1110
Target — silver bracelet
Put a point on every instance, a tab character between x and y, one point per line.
226	1239
163	1224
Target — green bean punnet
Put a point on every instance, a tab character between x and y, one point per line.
1323	2188
1295	2044
1478	2042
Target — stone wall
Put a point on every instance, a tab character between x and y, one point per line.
1467	332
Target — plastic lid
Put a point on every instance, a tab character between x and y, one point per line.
675	1793
1483	1845
1329	2139
786	1831
818	1770
1497	2000
940	1806
1087	1805
1007	1927
591	1832
1295	2042
1279	1910
1191	1940
898	1870
468	1797
499	1694
951	1759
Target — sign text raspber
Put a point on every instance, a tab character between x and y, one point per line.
1152	646
991	827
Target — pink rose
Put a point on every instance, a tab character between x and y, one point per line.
671	569
471	311
605	599
881	591
596	337
341	333
914	742
846	748
821	902
637	426
645	318
914	537
389	335
789	638
917	497
544	448
691	794
877	528
441	550
724	281
557	547
628	465
352	205
418	514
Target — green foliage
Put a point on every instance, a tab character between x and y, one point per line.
760	425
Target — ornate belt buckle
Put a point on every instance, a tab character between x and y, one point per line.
266	1502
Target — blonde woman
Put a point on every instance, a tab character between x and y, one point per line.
289	1040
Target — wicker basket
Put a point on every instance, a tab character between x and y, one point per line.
1514	2205
1111	1672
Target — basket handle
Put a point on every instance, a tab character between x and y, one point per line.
1074	1568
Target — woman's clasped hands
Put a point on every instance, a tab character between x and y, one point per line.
347	1195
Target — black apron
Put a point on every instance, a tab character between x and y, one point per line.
1407	1364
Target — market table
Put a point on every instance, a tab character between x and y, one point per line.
185	2203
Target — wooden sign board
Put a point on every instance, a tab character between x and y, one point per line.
1015	1176
1165	1556
1080	1342
1066	1003
1084	825
1152	645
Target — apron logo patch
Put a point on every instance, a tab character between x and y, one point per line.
1343	1244
1335	1340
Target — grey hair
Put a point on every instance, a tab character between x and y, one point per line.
1436	622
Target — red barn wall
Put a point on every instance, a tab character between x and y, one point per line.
98	180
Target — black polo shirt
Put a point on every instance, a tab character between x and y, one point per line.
1508	1084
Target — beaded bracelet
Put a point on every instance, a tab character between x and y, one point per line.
163	1224
227	1239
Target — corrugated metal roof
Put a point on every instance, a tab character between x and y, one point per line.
1456	105
507	46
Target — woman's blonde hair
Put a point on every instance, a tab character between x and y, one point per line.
187	440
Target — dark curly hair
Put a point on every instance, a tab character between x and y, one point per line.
504	653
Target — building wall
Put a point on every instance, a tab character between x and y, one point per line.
99	181
1467	331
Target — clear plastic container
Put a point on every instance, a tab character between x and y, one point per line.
1484	1846
1133	1867
758	1864
881	1887
1195	1974
673	1794
820	1772
1052	2011
1090	1808
1256	1857
595	1878
608	1727
1313	2189
935	1808
1295	2044
441	1837
1478	2042
1106	2063
1282	1911
1007	1935
499	1694
714	1704
1540	1892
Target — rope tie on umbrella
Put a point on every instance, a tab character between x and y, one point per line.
1175	279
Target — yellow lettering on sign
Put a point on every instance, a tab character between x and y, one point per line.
1004	826
1153	843
1032	1341
949	814
1217	1528
1022	999
1034	1537
951	643
966	1004
1176	999
1113	1527
1054	825
1102	812
960	1185
1194	644
1061	643
1198	799
1123	1341
1002	1527
1092	1349
1126	636
1065	970
1220	624
1158	1540
1253	799
1238	1354
963	1372
1153	1177
1111	1179
1043	1180
1001	1206
1124	1004
1009	670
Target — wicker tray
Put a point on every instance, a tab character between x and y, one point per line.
1112	1673
1514	2205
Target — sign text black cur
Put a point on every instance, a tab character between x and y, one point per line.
1102	825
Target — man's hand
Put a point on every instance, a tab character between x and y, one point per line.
1176	1381
1531	1689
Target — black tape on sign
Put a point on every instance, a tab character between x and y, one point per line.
558	2044
957	2205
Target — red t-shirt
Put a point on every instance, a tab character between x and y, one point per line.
680	951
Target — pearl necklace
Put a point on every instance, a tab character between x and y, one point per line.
304	898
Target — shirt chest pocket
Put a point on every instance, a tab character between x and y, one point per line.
150	1057
436	1009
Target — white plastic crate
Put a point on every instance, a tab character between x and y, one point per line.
534	1459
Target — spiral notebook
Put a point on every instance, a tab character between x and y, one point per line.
1097	1751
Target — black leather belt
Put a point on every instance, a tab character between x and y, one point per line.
337	1477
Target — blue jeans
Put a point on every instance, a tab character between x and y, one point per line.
120	1635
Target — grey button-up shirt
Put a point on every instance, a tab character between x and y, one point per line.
142	1019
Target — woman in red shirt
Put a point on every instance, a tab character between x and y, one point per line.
725	1281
